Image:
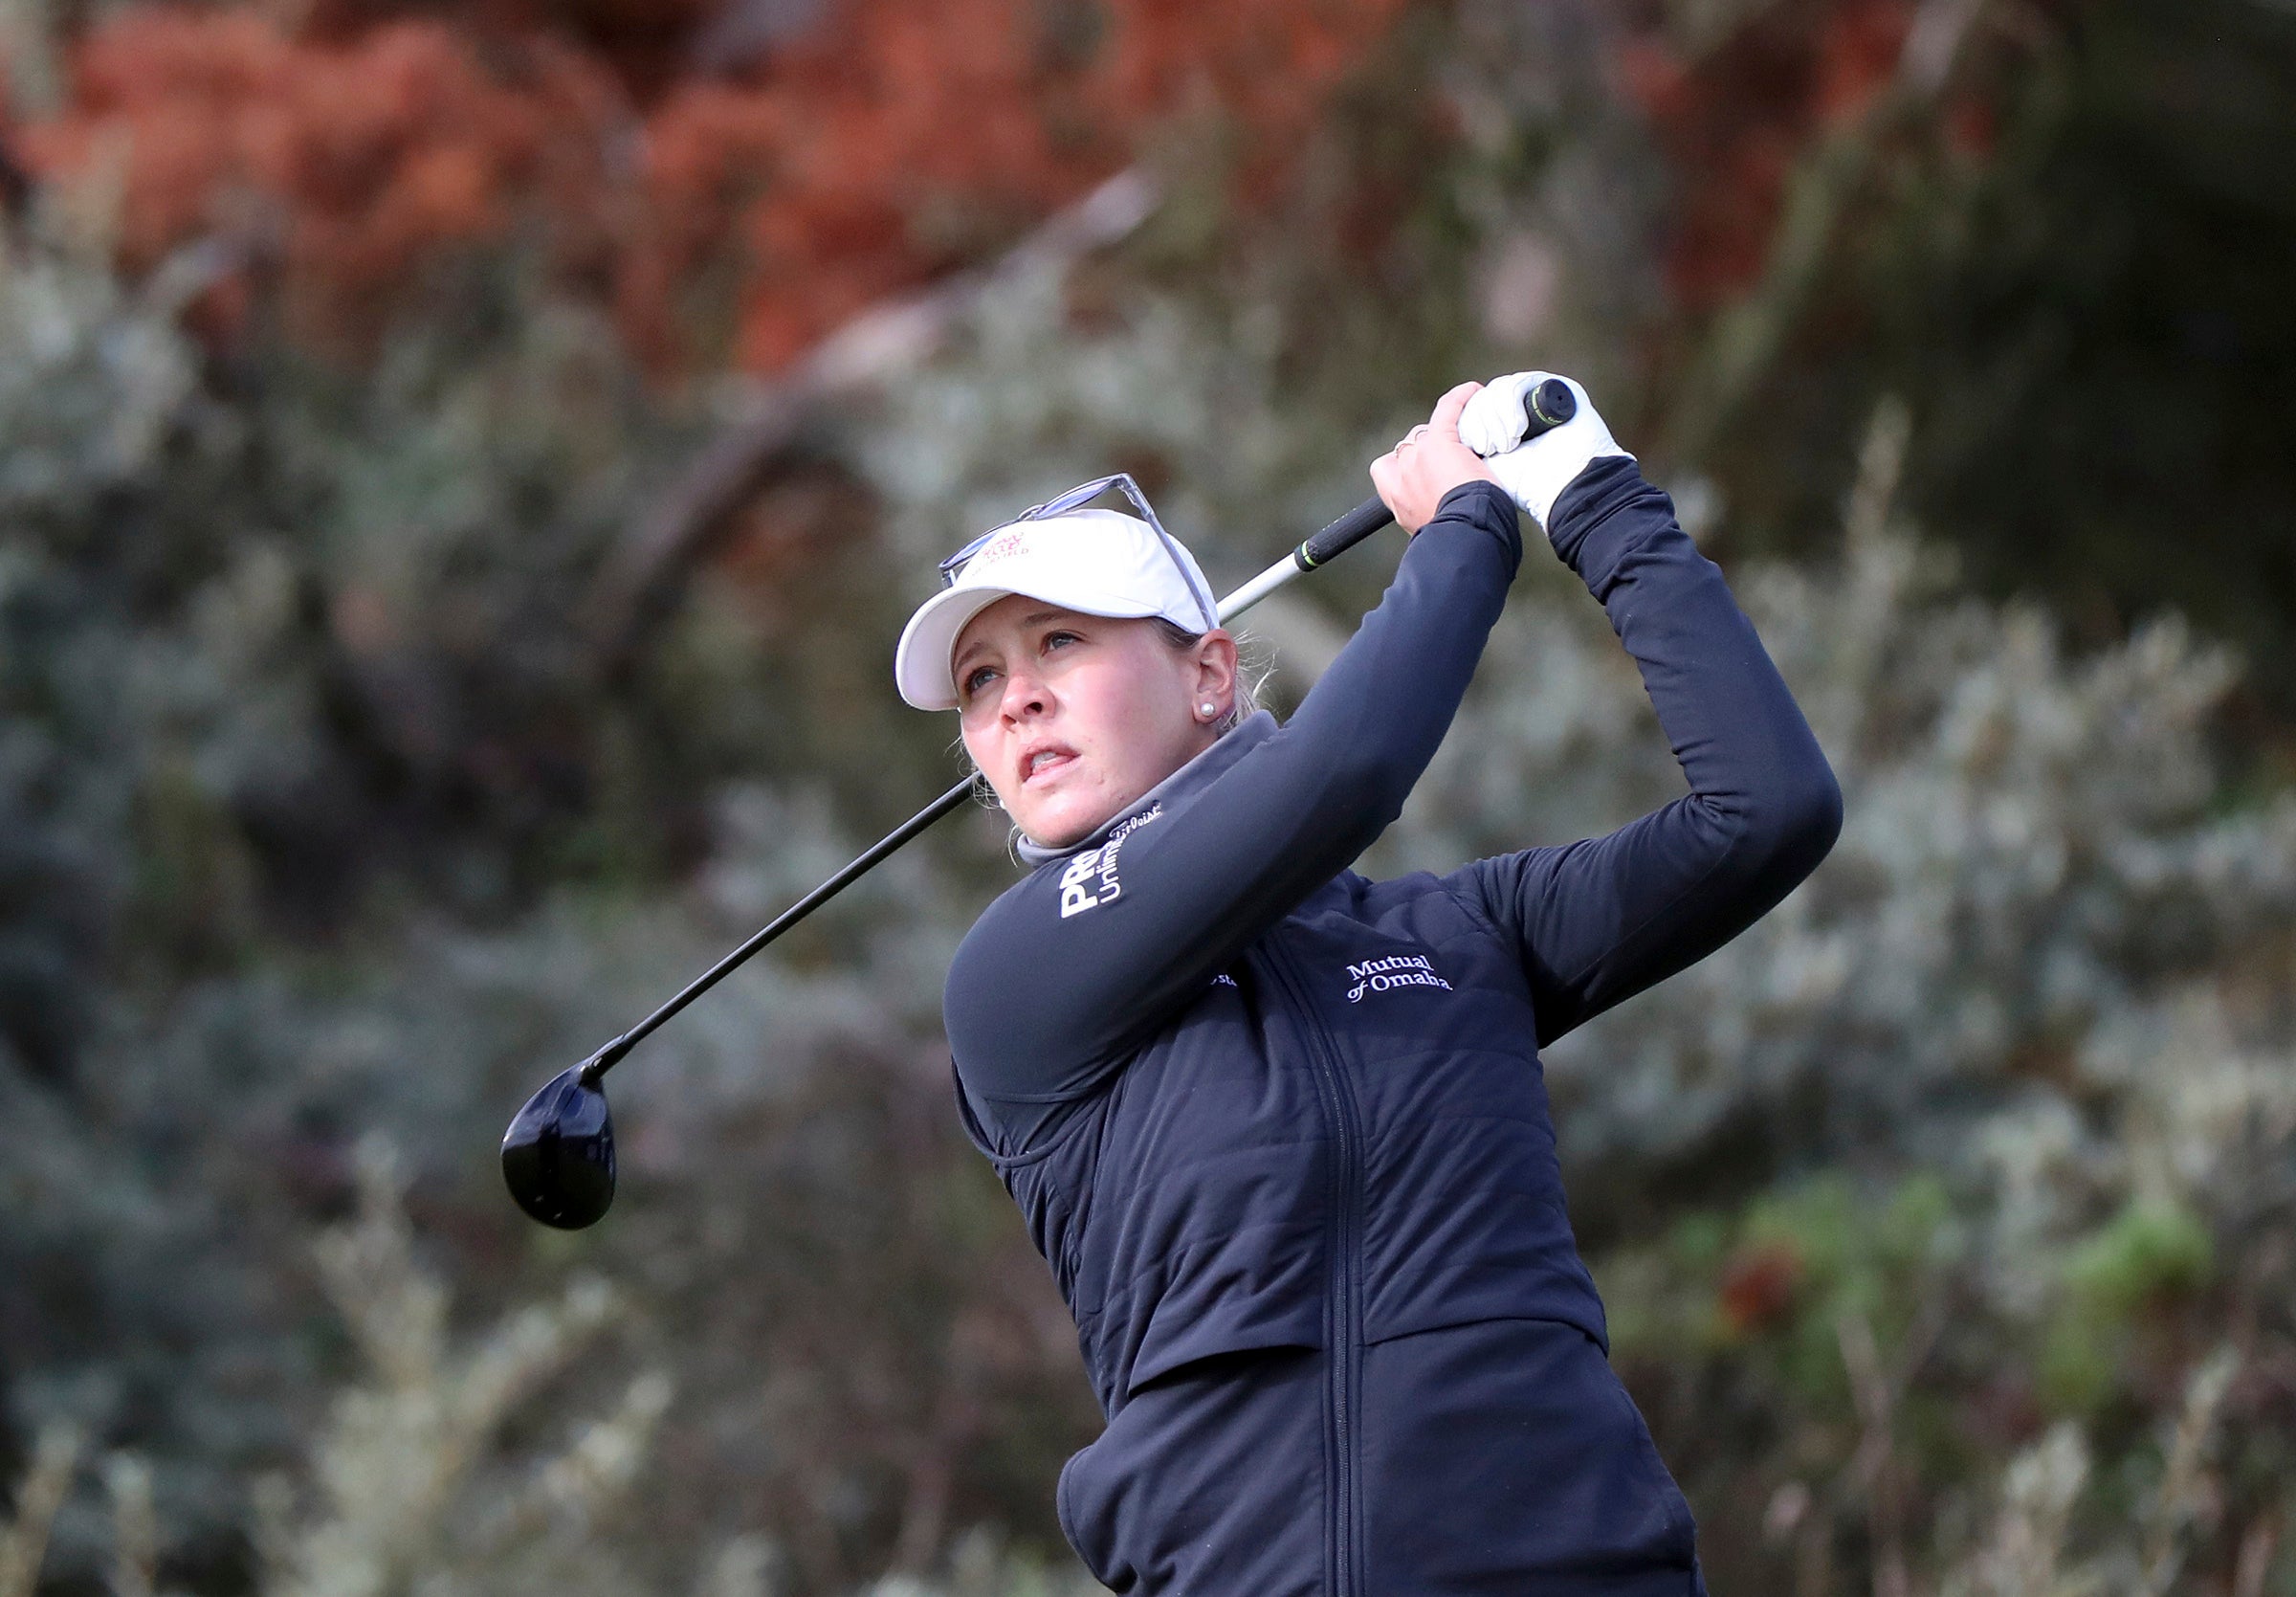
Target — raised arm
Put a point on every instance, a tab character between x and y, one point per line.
1041	1005
1598	921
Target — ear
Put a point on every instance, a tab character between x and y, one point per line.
1215	669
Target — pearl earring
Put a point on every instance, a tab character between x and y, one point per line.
1211	710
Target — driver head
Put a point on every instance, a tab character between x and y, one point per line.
557	1156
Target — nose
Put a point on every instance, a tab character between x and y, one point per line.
1025	696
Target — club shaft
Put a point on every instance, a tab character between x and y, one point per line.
1344	534
1329	545
606	1058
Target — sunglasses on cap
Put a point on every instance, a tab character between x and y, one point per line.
1076	499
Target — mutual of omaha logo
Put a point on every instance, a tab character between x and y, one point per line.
1397	970
1091	879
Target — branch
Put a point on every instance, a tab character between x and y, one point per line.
1877	1393
1745	340
641	578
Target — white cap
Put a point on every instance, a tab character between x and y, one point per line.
1093	562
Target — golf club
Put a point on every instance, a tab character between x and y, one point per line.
557	1156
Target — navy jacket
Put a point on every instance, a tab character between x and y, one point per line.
1281	1132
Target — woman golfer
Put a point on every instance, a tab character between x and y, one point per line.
1281	1131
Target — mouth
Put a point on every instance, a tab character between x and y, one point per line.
1044	765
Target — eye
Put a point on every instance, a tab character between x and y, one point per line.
1054	639
976	679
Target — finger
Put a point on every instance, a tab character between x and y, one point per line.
1446	419
1387	480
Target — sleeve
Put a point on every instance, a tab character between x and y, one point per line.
1596	922
1041	1005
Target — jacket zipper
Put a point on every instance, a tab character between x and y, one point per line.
1344	1303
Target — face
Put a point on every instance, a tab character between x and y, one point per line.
1072	717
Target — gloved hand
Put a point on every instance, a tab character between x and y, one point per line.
1534	473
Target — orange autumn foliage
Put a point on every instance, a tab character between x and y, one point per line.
725	218
644	43
368	158
1759	1287
909	138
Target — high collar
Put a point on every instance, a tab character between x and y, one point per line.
1183	783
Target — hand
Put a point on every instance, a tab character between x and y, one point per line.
1429	462
1538	471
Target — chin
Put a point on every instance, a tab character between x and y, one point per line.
1061	824
1048	834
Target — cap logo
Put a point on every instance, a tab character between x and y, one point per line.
999	548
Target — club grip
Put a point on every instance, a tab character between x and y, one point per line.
1547	406
1344	534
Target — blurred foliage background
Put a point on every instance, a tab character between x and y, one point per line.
461	471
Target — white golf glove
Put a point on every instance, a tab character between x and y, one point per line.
1536	473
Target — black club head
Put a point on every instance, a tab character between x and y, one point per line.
557	1154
